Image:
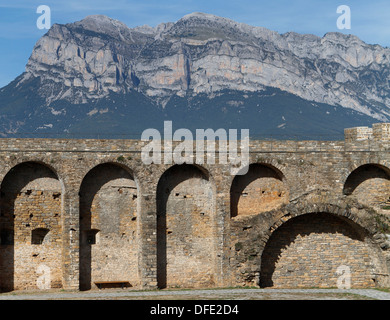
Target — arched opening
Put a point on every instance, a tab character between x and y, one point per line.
185	228
260	190
108	226
31	201
307	251
370	184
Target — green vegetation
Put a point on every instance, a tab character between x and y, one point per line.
383	223
238	246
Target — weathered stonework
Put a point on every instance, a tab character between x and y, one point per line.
91	210
185	229
108	225
306	251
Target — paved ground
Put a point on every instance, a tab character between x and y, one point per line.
209	294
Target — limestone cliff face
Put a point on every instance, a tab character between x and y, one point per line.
206	54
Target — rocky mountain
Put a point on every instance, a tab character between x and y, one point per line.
100	77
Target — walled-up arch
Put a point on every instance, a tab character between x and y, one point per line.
185	228
309	249
261	189
370	184
31	199
108	226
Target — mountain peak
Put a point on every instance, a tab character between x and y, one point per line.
201	15
100	23
205	55
98	17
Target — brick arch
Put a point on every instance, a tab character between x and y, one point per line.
302	207
31	197
186	210
369	183
205	170
355	165
131	169
296	237
114	164
272	162
109	202
51	167
263	188
356	176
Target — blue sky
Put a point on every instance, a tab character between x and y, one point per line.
18	31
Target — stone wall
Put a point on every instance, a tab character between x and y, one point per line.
185	229
370	184
31	226
108	227
308	250
91	210
378	132
262	189
358	134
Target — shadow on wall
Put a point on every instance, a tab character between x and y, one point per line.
307	250
261	189
364	173
103	199
184	213
26	183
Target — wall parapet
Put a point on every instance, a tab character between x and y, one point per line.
356	139
378	132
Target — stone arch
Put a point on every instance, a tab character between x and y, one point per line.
370	184
31	198
305	248
186	246
262	189
109	206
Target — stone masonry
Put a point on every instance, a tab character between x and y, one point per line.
73	212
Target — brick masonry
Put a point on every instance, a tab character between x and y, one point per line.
91	210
